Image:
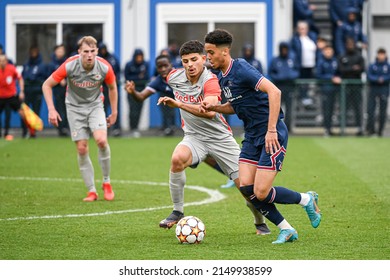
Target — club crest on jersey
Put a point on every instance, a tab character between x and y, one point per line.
97	77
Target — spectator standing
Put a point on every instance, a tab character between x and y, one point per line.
303	44
136	70
114	62
378	76
248	53
303	11
173	51
338	10
59	90
321	44
350	28
351	66
34	74
329	82
283	70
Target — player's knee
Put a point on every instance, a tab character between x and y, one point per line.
101	142
177	164
261	193
82	149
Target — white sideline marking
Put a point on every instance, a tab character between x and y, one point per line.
214	196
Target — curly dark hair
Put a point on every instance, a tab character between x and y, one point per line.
219	37
193	46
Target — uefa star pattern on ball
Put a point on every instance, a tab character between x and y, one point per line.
190	230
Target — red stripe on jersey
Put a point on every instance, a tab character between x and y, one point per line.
258	83
229	68
60	74
110	76
225	122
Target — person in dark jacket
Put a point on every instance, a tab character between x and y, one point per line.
34	74
338	12
329	82
114	61
59	90
248	53
136	70
303	11
378	76
350	28
351	67
283	70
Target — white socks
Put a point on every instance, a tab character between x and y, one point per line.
104	157
87	172
176	187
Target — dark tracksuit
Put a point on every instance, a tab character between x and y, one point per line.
378	76
326	70
283	70
139	73
34	74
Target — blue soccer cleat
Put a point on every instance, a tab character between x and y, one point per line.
312	209
286	235
229	184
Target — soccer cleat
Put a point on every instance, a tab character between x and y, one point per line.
92	196
9	137
262	229
229	184
172	219
286	235
108	193
312	209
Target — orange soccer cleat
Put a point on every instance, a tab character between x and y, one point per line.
108	193
92	196
9	137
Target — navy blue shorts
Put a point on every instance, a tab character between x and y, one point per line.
256	155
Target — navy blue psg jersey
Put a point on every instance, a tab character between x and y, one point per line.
239	85
160	85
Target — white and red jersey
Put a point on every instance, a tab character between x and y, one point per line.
84	89
8	77
186	92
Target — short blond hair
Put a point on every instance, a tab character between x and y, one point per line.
89	40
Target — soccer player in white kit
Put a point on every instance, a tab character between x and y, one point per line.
205	134
85	74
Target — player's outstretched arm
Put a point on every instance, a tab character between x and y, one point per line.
47	89
139	96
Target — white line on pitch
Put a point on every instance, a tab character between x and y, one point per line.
214	196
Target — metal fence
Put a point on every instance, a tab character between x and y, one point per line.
333	109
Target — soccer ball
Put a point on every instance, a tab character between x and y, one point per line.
190	230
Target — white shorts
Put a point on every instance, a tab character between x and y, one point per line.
226	153
83	121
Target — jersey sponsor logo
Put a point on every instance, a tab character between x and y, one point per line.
188	98
86	84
